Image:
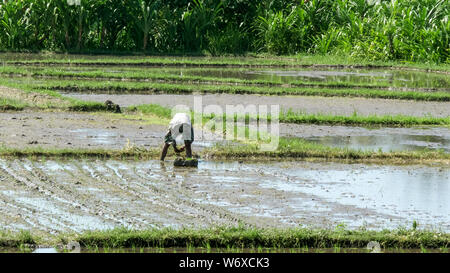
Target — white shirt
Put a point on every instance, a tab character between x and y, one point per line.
180	120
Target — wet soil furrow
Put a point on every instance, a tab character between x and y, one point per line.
172	200
108	201
26	190
138	202
67	198
16	216
182	195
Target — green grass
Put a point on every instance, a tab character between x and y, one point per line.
11	105
354	120
165	88
27	87
17	239
290	148
241	237
39	152
245	61
298	117
155	109
254	238
85	106
172	76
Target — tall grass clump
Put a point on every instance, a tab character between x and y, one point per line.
415	30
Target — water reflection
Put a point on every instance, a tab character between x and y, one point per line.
386	143
412	79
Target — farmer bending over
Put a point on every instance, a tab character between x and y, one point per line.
180	127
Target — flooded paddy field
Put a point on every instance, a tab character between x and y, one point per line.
55	196
375	138
394	78
310	105
411	79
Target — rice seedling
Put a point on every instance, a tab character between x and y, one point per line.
158	88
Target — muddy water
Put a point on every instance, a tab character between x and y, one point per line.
386	143
390	78
362	77
58	196
310	105
384	139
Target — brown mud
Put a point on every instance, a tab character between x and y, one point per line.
75	130
71	130
306	104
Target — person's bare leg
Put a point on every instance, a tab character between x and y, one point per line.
164	151
187	146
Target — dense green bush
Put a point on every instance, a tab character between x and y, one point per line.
410	30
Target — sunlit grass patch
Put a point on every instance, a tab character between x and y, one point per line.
10	104
291	116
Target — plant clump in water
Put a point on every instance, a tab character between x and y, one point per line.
181	162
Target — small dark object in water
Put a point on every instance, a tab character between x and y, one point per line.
112	107
181	162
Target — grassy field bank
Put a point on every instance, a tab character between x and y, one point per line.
238	237
248	60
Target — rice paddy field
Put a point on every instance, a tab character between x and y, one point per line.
363	155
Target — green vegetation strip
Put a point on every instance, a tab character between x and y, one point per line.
302	149
298	117
155	88
133	152
251	60
385	120
204	61
7	104
240	237
170	76
11	105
